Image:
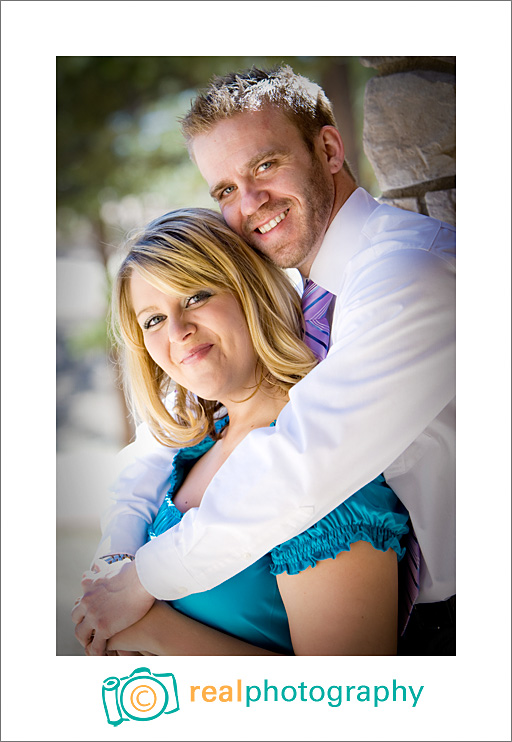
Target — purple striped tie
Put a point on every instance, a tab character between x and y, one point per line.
315	303
408	578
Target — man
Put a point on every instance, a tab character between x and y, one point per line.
381	401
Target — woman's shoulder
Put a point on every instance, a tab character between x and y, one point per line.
373	514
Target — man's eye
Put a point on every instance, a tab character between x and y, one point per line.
153	321
227	191
264	166
197	298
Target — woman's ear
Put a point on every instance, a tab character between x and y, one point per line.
330	145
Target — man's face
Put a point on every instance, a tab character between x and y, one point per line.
271	189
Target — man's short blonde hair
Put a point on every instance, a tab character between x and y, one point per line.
302	101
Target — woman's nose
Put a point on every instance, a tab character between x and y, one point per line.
180	329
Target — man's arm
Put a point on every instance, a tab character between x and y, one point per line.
389	373
113	597
144	468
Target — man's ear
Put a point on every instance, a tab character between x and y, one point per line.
331	148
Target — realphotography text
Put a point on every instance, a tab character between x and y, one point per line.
333	695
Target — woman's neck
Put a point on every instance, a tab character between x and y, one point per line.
257	411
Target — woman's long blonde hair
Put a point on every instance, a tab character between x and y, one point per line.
183	252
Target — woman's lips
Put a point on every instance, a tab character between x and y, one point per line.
197	353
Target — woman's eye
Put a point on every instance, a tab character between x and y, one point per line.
197	298
153	321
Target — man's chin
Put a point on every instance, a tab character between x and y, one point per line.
285	258
285	254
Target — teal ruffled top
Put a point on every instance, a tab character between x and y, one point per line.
249	605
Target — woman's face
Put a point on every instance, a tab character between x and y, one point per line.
202	341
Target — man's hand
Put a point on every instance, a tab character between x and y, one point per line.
113	600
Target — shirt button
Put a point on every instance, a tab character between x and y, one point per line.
247	555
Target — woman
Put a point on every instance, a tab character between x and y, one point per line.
197	310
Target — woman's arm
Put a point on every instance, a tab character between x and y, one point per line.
344	606
164	631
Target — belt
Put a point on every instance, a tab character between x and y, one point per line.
434	615
431	630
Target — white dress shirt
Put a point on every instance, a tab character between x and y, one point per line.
382	401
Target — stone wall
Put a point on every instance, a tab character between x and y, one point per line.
409	132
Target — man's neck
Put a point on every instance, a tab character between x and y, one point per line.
344	187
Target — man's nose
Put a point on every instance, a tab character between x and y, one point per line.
253	197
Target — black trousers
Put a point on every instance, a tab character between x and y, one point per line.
430	631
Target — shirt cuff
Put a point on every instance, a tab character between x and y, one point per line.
125	534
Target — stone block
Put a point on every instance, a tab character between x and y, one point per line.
380	63
442	205
409	128
409	204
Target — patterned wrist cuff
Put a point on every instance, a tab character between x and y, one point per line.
111	558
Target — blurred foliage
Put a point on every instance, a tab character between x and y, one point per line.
121	159
95	336
118	136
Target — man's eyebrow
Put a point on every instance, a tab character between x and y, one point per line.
267	155
218	188
259	157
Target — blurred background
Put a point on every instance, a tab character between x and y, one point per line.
121	162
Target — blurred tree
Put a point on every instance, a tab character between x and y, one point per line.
120	155
117	132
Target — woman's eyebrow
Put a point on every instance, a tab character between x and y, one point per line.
147	309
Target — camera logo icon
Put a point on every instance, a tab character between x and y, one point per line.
140	696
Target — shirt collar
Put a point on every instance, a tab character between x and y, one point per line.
342	240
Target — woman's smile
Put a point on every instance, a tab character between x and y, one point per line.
196	354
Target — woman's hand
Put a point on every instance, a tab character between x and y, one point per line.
144	636
113	599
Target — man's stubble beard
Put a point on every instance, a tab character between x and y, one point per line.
318	199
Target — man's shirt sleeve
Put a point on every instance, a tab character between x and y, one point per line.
388	374
144	468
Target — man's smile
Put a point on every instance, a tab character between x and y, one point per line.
272	223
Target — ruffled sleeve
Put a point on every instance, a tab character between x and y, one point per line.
373	514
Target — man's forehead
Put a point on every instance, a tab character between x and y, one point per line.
243	139
258	126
